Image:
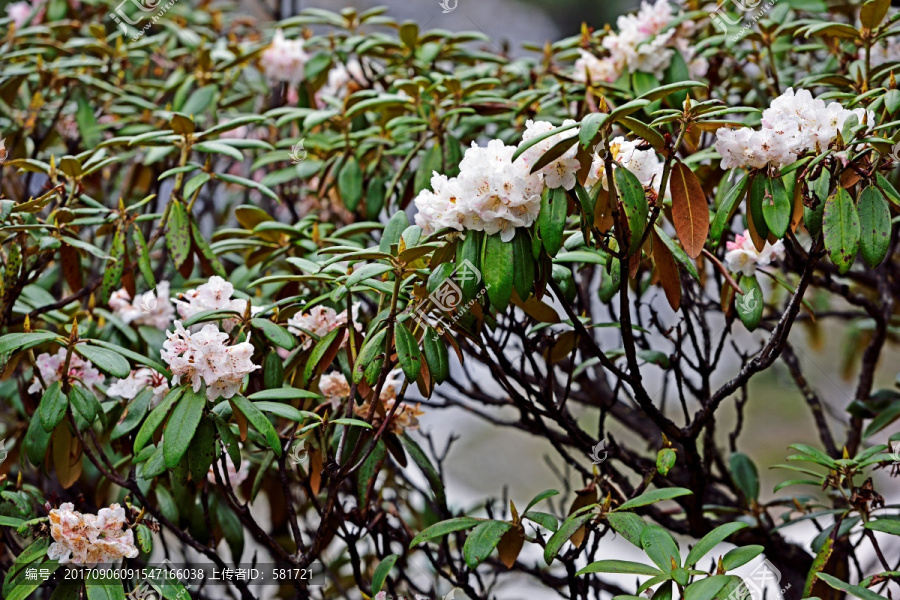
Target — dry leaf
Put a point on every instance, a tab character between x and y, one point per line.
690	212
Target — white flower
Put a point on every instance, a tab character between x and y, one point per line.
205	357
235	476
644	164
152	308
597	69
340	77
561	172
335	388
742	256
51	367
215	294
136	382
795	123
90	539
284	60
319	321
491	194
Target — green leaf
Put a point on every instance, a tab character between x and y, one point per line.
660	547
37	440
371	349
672	88
182	426
13	342
439	530
590	126
744	475
523	264
421	460
552	220
213	147
711	540
52	408
85	402
875	226
678	253
436	356
259	422
482	541
497	269
228	439
285	394
738	557
620	567
750	306
568	528
202	451
665	460
254	185
408	351
107	361
350	183
319	352
756	199
707	588
275	333
143	257
654	496
854	590
634	202
628	525
873	13
540	497
178	237
393	230
726	210
381	572
112	274
367	272
891	526
777	207
842	231
545	520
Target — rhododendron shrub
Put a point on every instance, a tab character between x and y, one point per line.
259	279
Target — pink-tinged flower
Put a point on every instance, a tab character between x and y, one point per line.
644	164
153	308
341	79
235	476
742	256
596	69
19	13
335	388
136	382
90	539
406	418
205	357
284	60
319	321
215	294
51	367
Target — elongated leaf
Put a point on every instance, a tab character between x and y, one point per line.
628	525
726	210
654	496
178	237
875	226
436	356
690	211
855	590
408	351
842	231
497	265
634	203
259	422
106	360
710	541
777	207
750	305
52	409
552	219
744	475
439	530
568	528
620	566
482	541
182	426
381	572
14	342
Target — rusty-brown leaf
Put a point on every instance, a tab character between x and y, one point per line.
667	270
689	209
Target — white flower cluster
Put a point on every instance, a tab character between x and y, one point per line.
206	357
215	294
335	388
319	321
90	539
743	257
138	380
561	172
491	194
645	164
641	45
152	308
794	124
51	367
284	60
